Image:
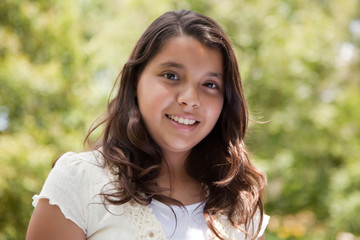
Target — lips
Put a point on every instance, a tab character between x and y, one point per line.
182	120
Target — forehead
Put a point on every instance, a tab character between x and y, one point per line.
189	52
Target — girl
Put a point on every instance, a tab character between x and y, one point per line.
172	163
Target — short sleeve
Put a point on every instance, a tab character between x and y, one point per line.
252	228
256	222
67	187
264	224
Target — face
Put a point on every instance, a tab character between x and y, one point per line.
180	94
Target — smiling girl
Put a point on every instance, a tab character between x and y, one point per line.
172	163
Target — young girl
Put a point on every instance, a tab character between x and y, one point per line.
172	163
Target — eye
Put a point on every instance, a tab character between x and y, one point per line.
210	85
170	76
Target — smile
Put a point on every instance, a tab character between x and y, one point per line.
181	120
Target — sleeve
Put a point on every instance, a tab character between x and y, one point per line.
67	187
264	224
256	221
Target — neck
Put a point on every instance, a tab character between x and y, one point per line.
177	182
173	166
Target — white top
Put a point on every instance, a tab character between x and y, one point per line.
189	222
74	185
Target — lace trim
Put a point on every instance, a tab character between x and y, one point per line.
148	227
222	225
145	222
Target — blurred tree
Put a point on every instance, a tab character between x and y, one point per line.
299	62
43	85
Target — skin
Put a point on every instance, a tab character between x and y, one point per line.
185	80
48	222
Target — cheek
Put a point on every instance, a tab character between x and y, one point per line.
214	110
152	100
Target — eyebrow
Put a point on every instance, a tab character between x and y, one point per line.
172	64
180	66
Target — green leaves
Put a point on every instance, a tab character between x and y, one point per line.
299	62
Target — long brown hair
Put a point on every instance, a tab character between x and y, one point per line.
220	161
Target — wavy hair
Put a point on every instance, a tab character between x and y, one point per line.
220	161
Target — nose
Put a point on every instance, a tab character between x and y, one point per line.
188	96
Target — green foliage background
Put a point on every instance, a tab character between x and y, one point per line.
300	66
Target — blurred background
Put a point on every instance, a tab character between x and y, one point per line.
300	66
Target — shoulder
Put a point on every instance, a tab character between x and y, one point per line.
85	159
223	224
66	193
76	165
85	168
74	175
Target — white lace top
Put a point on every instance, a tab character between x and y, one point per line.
74	185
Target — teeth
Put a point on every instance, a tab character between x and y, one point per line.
181	120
